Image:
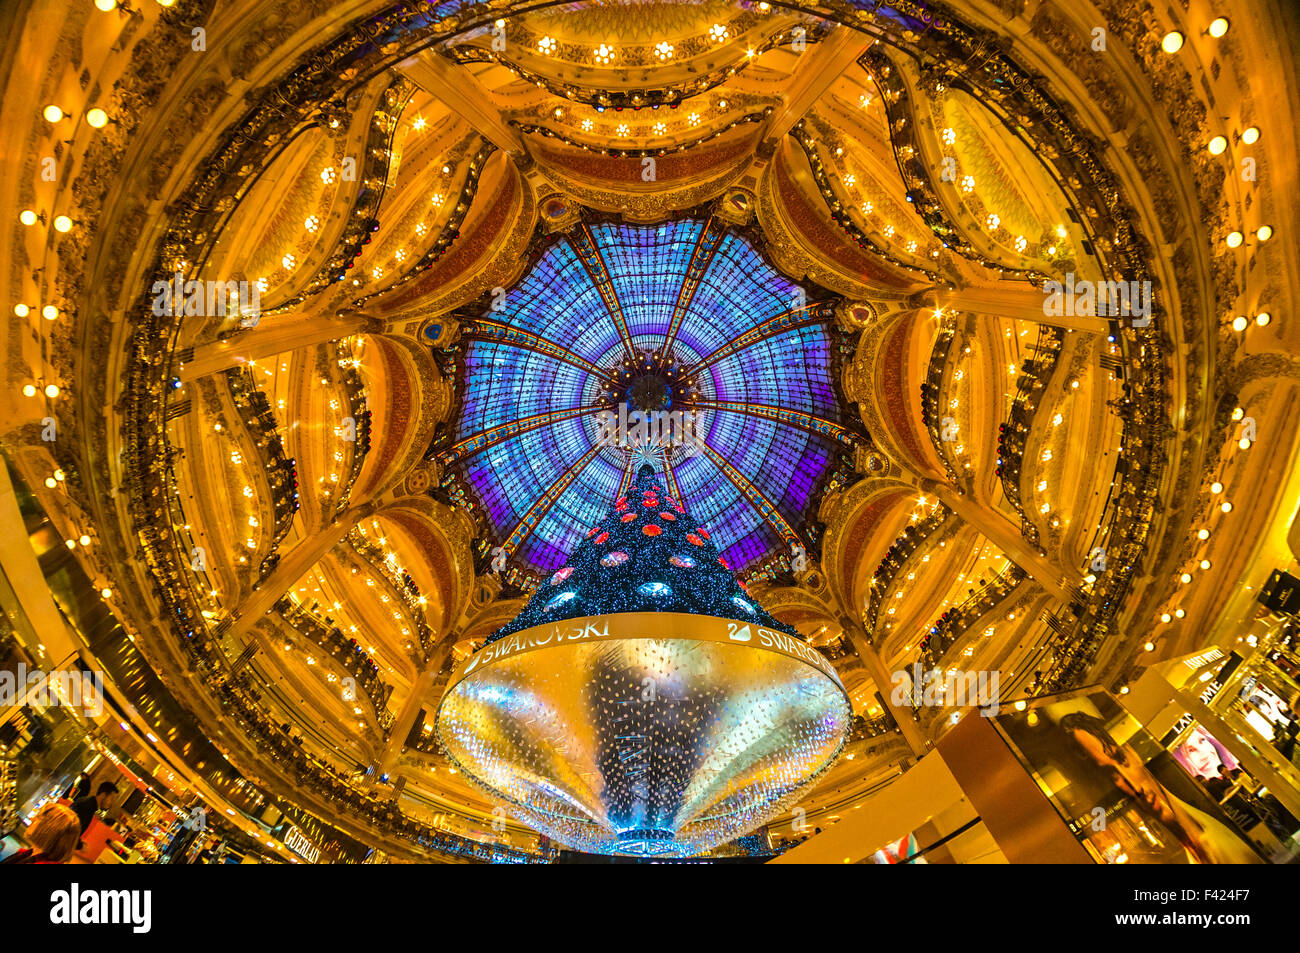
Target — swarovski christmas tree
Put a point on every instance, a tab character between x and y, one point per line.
647	555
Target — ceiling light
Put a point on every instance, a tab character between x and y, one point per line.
1173	42
84	540
27	217
1239	323
1264	232
52	113
1205	564
106	593
97	118
1149	647
1234	239
1203	534
1250	135
63	224
1179	613
1226	507
105	5
1166	617
49	312
21	310
51	391
1216	487
1217	145
1185	578
29	390
1218	27
1263	318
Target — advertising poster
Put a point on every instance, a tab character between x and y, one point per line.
1203	755
1125	798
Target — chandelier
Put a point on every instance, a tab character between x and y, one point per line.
643	703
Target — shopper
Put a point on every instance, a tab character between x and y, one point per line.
53	834
80	788
85	807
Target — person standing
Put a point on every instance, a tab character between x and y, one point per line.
86	807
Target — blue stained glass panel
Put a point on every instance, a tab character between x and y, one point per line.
523	444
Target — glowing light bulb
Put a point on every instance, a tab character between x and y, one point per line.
1173	42
1218	27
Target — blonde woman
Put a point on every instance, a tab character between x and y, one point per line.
53	834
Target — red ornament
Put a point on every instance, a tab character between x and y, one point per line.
692	538
668	516
621	505
593	531
650	500
628	517
651	530
724	563
703	532
601	538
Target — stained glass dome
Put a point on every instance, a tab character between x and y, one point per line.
684	321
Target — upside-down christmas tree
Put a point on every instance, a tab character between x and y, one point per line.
642	702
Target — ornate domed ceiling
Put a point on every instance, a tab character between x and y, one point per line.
684	318
468	236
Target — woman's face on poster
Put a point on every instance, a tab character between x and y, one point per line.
1202	755
1129	774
